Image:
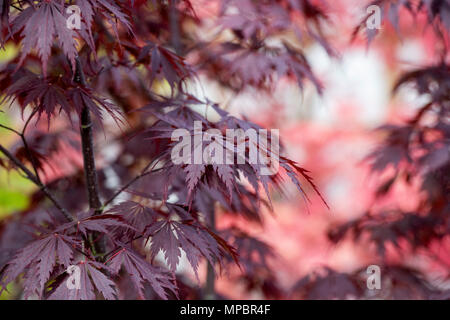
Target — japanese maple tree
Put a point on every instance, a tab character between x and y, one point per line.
99	104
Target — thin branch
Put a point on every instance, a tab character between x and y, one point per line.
17	8
25	144
28	121
9	129
27	148
30	176
127	185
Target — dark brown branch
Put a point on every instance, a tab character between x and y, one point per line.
29	175
88	146
90	170
89	160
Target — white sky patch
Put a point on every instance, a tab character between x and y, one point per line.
357	79
411	53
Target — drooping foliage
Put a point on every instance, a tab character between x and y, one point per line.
100	104
413	153
121	210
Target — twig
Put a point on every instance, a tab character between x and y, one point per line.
25	144
124	187
27	148
119	247
9	129
30	176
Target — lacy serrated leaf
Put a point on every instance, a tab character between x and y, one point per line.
194	173
142	271
41	256
42	27
90	277
171	237
101	223
136	214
